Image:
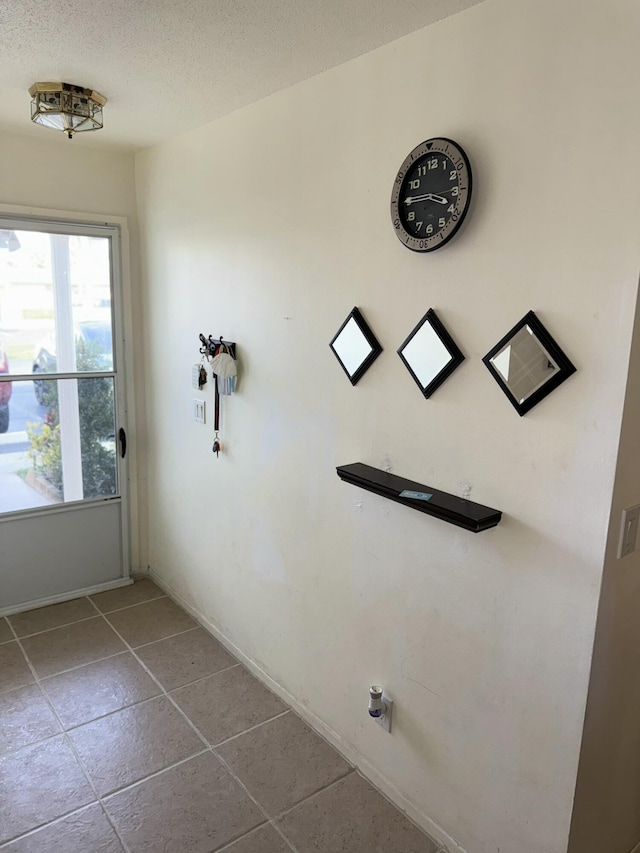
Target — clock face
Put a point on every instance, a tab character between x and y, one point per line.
431	195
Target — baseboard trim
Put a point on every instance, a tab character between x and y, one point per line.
140	573
371	773
64	596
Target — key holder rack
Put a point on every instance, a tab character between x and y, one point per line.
211	348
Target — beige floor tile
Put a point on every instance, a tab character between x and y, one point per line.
38	784
350	817
14	670
128	745
227	703
125	596
45	618
282	762
86	831
151	621
262	840
96	689
73	645
124	731
184	658
196	807
25	717
6	633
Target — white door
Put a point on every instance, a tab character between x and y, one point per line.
62	416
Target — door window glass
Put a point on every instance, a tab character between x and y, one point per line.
55	303
57	436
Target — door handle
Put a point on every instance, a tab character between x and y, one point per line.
122	437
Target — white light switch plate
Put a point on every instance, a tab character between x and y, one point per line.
628	530
199	411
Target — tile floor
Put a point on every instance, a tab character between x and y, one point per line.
124	726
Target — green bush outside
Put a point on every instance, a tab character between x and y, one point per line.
97	430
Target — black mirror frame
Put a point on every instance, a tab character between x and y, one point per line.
376	349
565	367
456	355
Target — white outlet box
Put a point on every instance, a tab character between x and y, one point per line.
199	411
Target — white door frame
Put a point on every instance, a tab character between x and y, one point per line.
30	218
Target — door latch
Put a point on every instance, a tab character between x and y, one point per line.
122	437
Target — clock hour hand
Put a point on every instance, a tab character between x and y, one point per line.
440	199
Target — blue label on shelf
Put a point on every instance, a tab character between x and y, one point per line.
416	496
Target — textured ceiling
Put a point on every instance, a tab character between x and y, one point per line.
194	60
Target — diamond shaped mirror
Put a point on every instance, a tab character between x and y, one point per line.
430	354
355	346
528	364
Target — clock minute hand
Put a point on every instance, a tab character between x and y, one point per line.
440	199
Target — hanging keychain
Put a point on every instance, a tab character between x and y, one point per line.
225	371
219	354
217	446
199	375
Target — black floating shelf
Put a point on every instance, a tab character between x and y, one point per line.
458	511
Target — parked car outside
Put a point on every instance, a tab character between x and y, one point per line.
94	333
5	392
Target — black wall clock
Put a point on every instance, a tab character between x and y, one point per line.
431	195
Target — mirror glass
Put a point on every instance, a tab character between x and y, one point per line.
355	346
528	363
352	347
426	355
524	364
430	354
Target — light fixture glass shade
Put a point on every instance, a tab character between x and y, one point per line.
62	106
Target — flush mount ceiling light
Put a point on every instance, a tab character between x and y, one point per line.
71	109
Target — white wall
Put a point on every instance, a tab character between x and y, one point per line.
54	175
267	228
61	174
606	811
